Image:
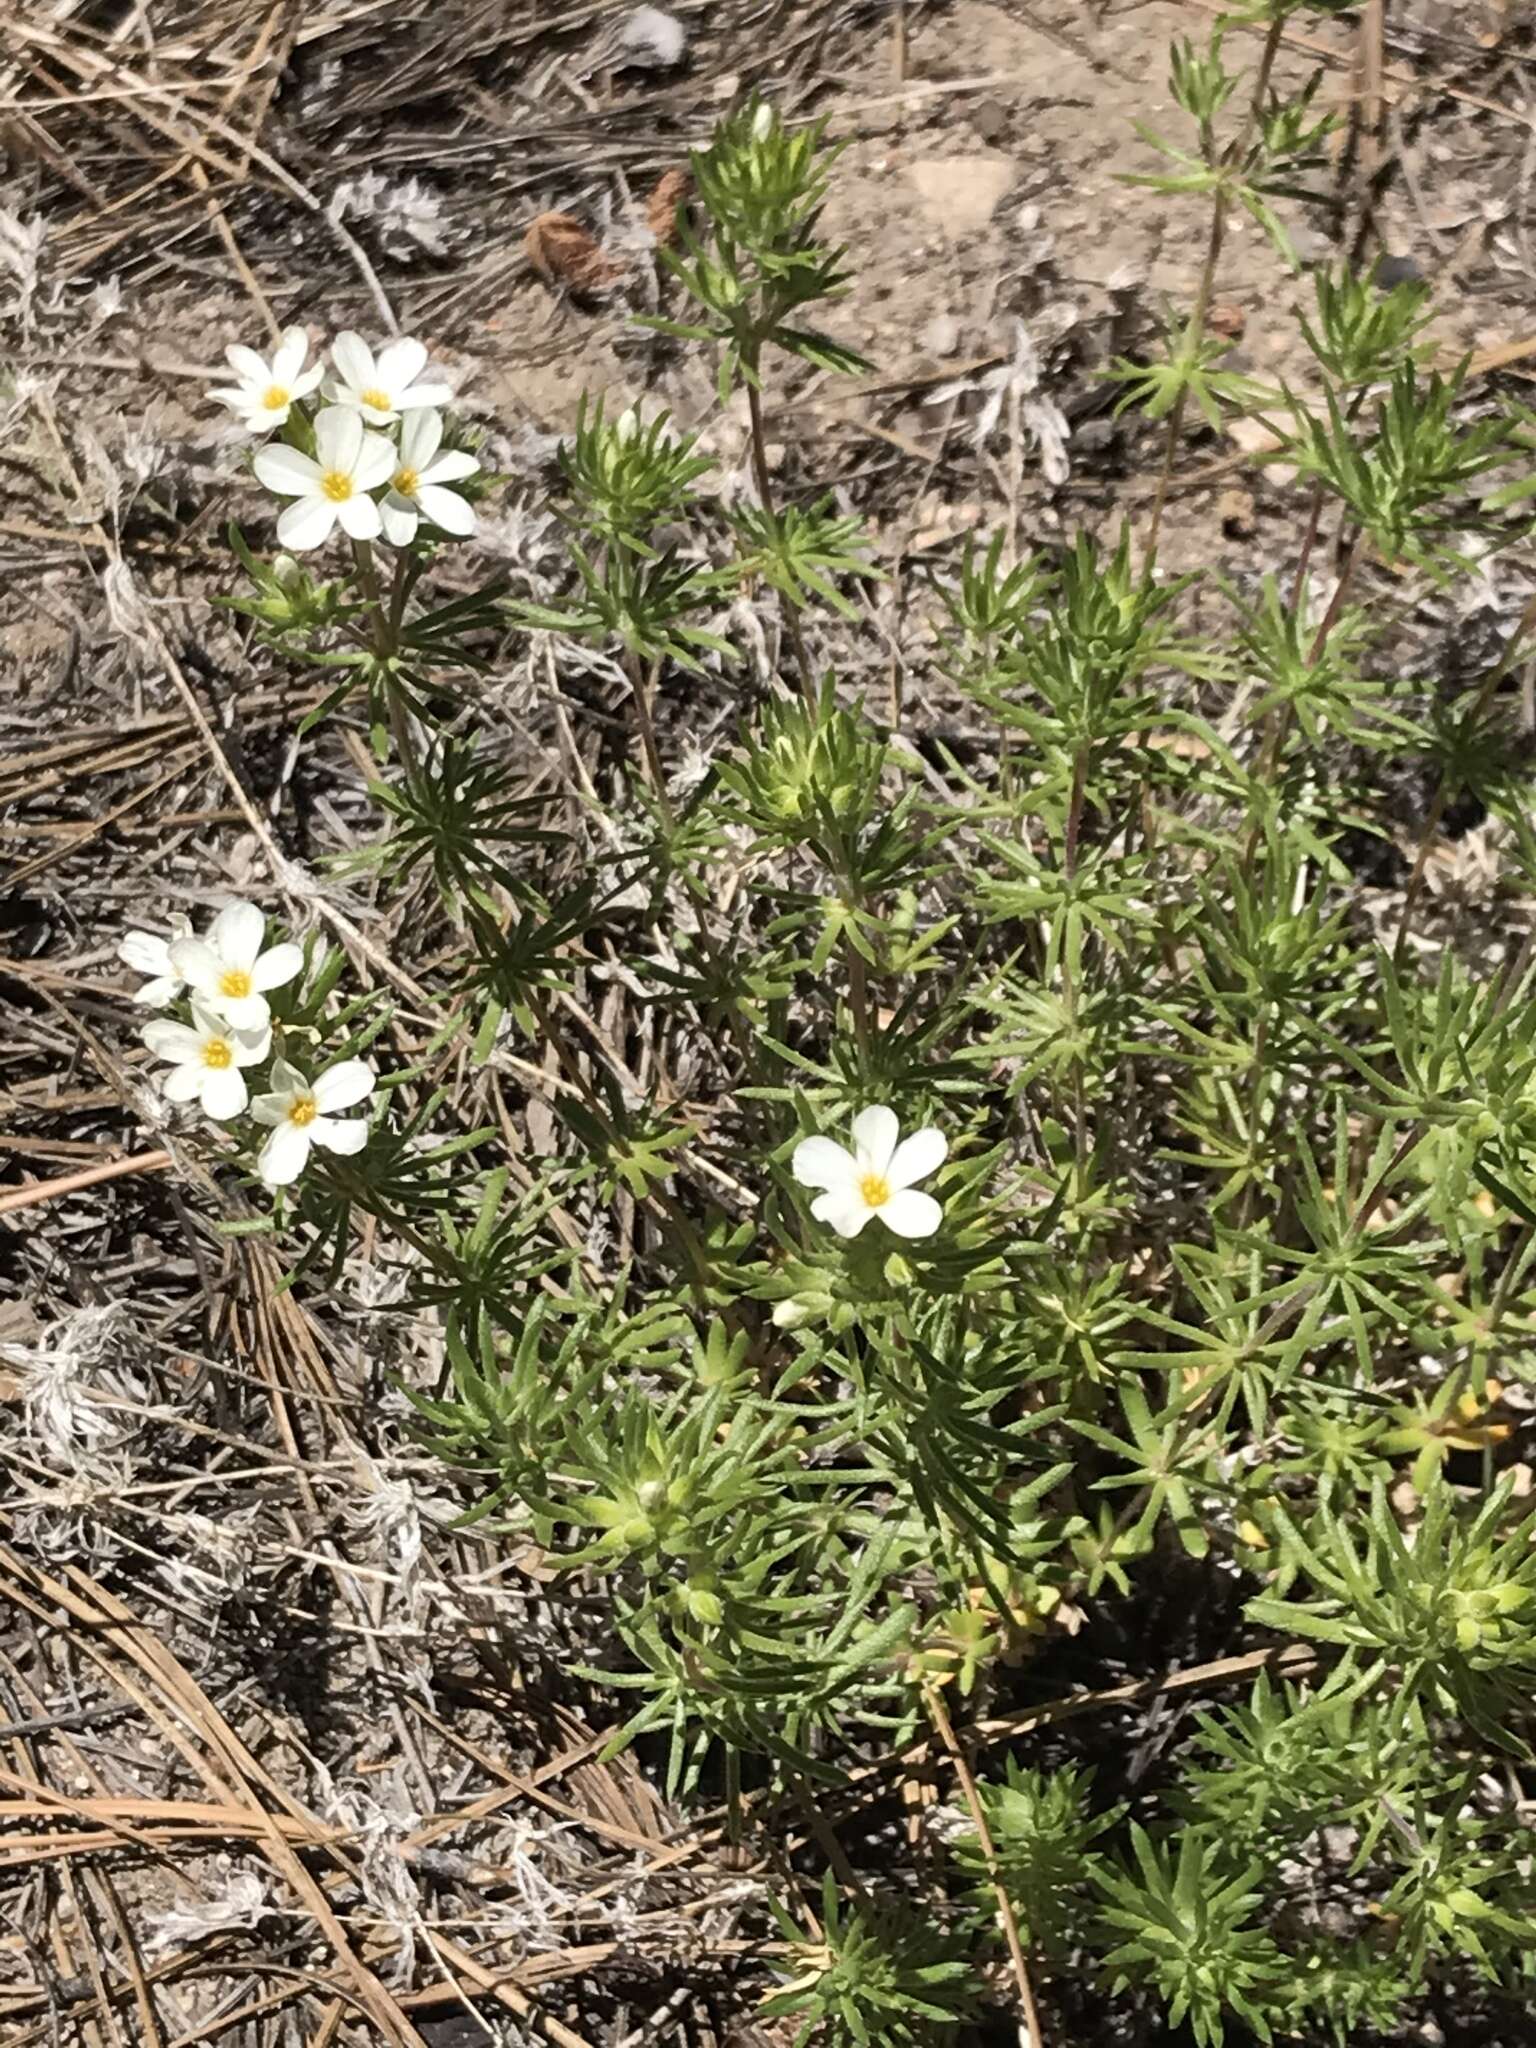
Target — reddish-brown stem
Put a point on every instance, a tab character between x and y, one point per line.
766	498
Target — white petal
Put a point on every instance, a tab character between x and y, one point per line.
341	1086
450	467
302	386
846	1212
182	1084
359	517
288	471
421	435
197	963
916	1157
400	519
168	1040
338	436
247	1014
420	396
287	1079
277	966
236	934
875	1132
144	953
400	363
251	1047
375	460
289	358
154	995
911	1214
354	358
246	364
343	1134
205	1022
306	523
224	1093
823	1163
236	396
284	1155
446	509
271	1109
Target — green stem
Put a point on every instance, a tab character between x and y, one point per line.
641	688
386	621
750	358
1194	333
1075	807
1278	729
1260	1075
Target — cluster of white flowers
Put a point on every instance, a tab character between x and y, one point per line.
378	466
227	977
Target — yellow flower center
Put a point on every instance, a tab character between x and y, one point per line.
276	398
337	486
234	981
378	399
875	1190
218	1052
303	1110
407	482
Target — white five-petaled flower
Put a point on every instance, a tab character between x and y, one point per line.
147	953
300	1113
331	485
229	973
416	490
267	390
383	388
874	1179
206	1057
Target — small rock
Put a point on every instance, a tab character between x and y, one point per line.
1236	510
1255	438
989	118
1093	437
1227	319
941	337
961	193
1394	270
1310	246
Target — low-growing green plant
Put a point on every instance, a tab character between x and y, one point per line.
1050	1196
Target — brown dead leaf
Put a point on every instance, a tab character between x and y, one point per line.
563	252
672	189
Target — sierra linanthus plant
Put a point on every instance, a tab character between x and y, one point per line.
1204	1264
